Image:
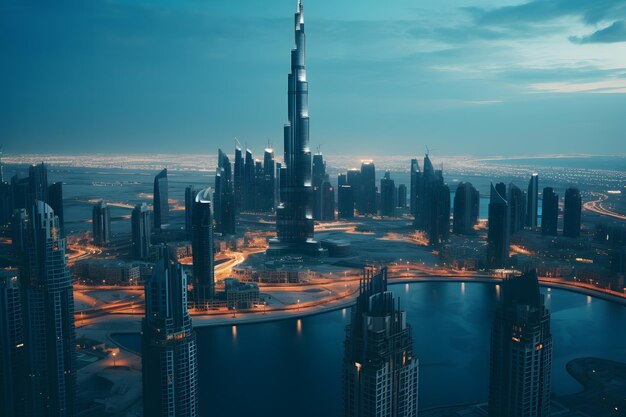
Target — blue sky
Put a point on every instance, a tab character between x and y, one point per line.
463	77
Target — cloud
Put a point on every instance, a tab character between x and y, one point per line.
611	34
612	86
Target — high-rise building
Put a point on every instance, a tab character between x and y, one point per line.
190	197
223	197
353	178
532	201
366	204
6	203
101	224
318	177
294	215
432	213
498	233
521	351
48	313
19	232
202	250
160	204
55	200
549	211
415	180
345	202
13	376
466	206
387	196
402	195
249	183
238	180
327	203
37	184
140	233
380	369
342	179
517	206
20	192
268	196
571	212
168	348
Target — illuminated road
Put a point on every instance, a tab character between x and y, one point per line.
597	206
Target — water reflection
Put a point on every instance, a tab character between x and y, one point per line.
299	327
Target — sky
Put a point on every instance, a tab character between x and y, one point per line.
463	77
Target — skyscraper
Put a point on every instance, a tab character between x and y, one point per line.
269	180
367	194
140	233
353	178
190	197
466	204
6	203
160	204
517	206
571	212
387	196
432	213
101	223
415	180
48	312
19	232
498	233
380	369
55	200
223	197
294	216
327	204
169	352
249	183
13	373
202	250
549	211
318	176
37	184
521	351
345	202
238	179
401	195
532	201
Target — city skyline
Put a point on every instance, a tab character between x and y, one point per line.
548	80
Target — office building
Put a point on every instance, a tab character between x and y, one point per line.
521	351
432	214
571	212
366	205
327	200
387	196
101	224
202	250
499	229
238	180
37	184
415	181
268	195
55	201
46	284
517	207
223	197
13	375
402	195
345	202
532	201
294	215
140	232
160	203
549	212
190	197
168	348
466	205
380	368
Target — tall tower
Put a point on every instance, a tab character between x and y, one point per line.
571	212
499	229
521	351
294	215
380	369
140	223
202	249
48	311
169	355
160	200
101	222
466	206
532	201
388	195
549	211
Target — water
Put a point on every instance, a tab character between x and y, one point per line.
279	368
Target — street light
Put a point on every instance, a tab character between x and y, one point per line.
298	304
114	355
